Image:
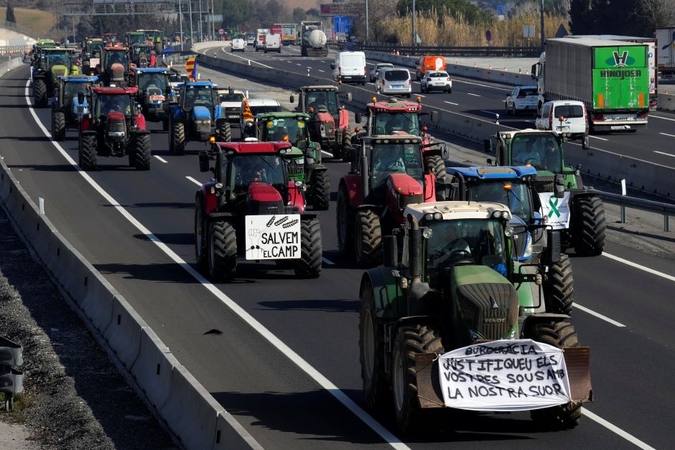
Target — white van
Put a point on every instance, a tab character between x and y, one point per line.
394	81
272	43
349	67
565	116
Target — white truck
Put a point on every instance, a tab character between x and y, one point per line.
260	34
665	38
272	43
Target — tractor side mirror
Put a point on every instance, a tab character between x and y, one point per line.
349	96
80	97
358	117
559	185
203	161
445	152
292	98
434	117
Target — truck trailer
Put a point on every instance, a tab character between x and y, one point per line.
611	77
665	38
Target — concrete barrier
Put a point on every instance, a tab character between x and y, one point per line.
154	364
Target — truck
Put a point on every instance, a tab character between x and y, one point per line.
614	84
314	41
289	33
665	60
260	34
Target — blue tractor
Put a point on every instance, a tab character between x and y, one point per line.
155	94
67	111
197	116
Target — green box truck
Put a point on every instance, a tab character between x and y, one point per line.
611	77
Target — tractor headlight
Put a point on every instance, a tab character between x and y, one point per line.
427	233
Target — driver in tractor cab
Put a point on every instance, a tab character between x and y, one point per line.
117	103
319	102
551	160
529	155
280	134
394	124
389	159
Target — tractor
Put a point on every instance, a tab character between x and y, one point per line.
251	208
115	66
154	93
534	237
67	111
394	116
304	160
91	56
113	127
51	63
387	173
330	120
197	116
584	228
143	55
453	321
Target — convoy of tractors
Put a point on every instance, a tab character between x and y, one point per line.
464	267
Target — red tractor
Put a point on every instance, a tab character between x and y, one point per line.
387	174
252	209
115	65
394	116
113	127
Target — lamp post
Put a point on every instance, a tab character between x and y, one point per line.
414	25
201	20
541	25
180	22
192	33
367	31
213	22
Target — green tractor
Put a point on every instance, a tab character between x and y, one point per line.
50	64
584	227
304	160
454	320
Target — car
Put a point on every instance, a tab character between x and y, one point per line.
436	80
522	99
230	101
394	81
256	106
375	71
565	116
250	39
238	44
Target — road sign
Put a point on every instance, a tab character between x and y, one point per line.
342	9
221	31
342	24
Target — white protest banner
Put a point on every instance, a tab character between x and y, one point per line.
273	237
505	375
556	210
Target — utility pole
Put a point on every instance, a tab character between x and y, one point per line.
201	20
180	22
367	31
213	22
192	33
541	25
414	25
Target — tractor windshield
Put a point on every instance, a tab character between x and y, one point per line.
199	96
147	80
542	151
466	241
58	58
395	158
289	129
513	193
94	48
71	90
390	123
111	103
246	169
322	100
117	56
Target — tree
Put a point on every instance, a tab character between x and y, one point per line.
622	17
238	12
660	13
9	14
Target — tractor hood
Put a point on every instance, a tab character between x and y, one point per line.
116	116
57	71
263	192
404	185
201	113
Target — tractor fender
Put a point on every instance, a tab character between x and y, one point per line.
385	291
429	187
140	123
141	131
578	193
176	112
218	112
201	113
544	317
307	215
296	197
220	217
88	132
209	200
343	119
352	184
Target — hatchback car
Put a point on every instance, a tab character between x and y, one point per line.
565	116
436	80
394	82
522	99
375	70
238	44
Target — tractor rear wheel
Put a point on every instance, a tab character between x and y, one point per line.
435	164
561	335
345	222
58	125
177	139
142	152
320	190
200	237
368	238
588	226
87	156
222	256
311	251
411	340
224	132
371	346
40	93
559	287
346	142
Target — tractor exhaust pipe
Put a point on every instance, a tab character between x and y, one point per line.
415	250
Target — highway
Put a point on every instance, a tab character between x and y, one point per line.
281	355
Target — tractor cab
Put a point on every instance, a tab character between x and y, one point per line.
115	66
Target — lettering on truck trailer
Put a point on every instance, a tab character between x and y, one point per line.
273	237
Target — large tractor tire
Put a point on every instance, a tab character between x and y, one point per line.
559	287
320	190
87	155
371	346
561	335
40	93
222	251
367	238
224	132
58	125
346	142
410	340
177	139
436	164
345	223
142	152
200	237
311	252
588	226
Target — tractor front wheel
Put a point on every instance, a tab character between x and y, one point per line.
40	93
561	335
200	237
320	190
311	251
588	226
222	243
411	340
58	125
435	164
224	132
177	139
371	346
87	156
345	222
142	152
346	142
559	287
368	238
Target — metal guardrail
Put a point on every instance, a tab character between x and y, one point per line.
494	52
14	49
625	201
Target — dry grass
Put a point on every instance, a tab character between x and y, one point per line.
39	21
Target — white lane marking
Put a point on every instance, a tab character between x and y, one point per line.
198	183
664	154
321	380
327	261
451	103
598	315
666	134
639	266
627	436
321	70
327	153
599	138
661	117
251	61
473	95
161	159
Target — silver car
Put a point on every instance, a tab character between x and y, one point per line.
375	71
436	80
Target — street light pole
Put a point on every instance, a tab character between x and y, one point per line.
367	31
192	33
541	25
201	19
213	22
414	25
180	22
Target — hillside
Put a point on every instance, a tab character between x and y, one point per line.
39	21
